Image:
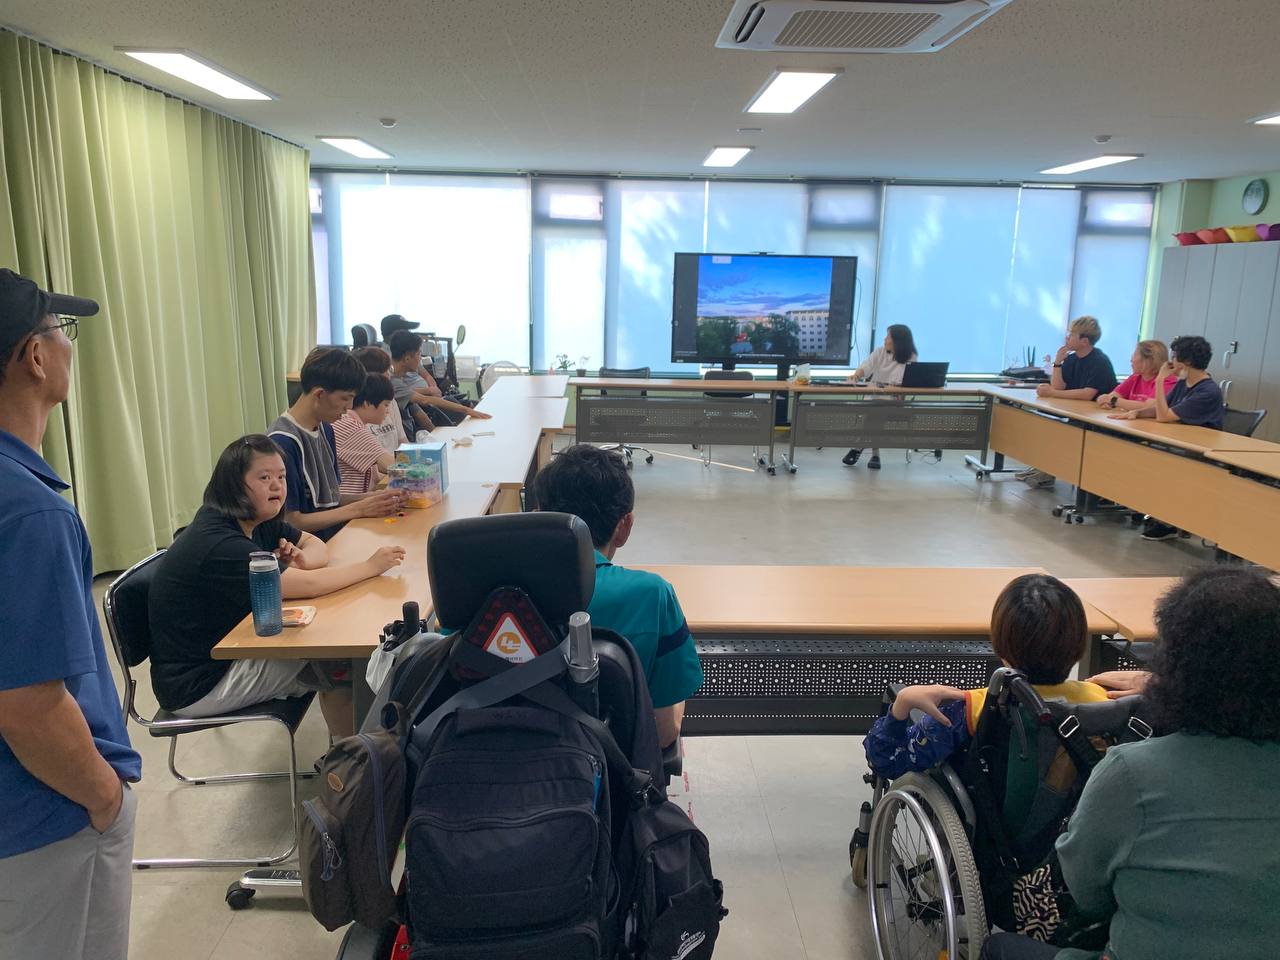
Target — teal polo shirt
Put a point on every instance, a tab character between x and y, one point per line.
642	607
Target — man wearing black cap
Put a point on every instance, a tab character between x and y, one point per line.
66	816
392	323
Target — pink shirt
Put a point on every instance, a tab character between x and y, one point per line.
358	453
1136	388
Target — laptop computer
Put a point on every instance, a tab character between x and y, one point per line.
925	375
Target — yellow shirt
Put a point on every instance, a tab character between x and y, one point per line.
1070	691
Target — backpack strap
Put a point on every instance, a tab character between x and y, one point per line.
1083	753
977	778
503	684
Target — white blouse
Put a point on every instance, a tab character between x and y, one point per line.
881	368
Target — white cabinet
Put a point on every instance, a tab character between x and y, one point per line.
1173	274
1239	357
1228	293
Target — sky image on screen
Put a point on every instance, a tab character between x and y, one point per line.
763	306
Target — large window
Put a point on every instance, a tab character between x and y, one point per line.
649	223
988	277
582	267
443	251
1111	264
569	249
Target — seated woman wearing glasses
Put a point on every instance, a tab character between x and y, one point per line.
201	591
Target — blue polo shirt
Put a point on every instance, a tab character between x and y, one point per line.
50	632
642	607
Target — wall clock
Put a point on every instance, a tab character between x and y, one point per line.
1254	197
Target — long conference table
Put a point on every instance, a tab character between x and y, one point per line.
1217	485
804	648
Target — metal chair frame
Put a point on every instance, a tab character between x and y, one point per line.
627	449
175	728
704	449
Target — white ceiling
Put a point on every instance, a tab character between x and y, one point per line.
636	86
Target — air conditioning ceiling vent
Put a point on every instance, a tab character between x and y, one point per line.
852	26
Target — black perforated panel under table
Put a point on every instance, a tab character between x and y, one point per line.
820	685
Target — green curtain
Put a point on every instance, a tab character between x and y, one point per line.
193	232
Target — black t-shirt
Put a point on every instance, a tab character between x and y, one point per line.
1198	406
1094	370
199	593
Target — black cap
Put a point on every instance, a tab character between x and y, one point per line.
23	306
393	322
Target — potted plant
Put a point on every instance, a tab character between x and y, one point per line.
562	362
582	365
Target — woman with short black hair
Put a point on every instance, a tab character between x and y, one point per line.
201	591
1177	839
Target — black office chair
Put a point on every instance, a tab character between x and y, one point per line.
1241	422
364	335
125	609
550	557
726	395
632	373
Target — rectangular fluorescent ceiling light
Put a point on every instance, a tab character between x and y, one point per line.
1091	164
187	66
1271	121
788	90
357	148
726	156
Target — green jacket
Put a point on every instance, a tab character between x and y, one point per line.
1178	838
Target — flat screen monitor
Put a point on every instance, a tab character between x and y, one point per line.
755	308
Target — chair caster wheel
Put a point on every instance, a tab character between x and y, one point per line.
858	865
792	469
649	459
980	475
1057	511
238	897
773	471
1078	519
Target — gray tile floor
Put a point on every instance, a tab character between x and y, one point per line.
778	810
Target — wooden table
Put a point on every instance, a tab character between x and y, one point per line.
954	417
1261	463
1214	484
347	622
522	429
804	649
1129	601
534	385
629	410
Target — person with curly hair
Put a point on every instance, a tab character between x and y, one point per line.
1177	839
1195	400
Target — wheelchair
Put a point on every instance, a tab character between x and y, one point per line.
548	558
939	852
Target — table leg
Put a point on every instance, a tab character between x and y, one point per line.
1092	662
507	501
789	459
361	692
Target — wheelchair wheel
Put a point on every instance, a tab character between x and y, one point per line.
925	896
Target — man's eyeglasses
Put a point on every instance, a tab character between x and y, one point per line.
68	325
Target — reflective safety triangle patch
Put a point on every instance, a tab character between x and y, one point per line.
509	642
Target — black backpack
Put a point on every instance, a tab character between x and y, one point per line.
530	833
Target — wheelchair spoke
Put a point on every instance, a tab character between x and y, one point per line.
914	873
